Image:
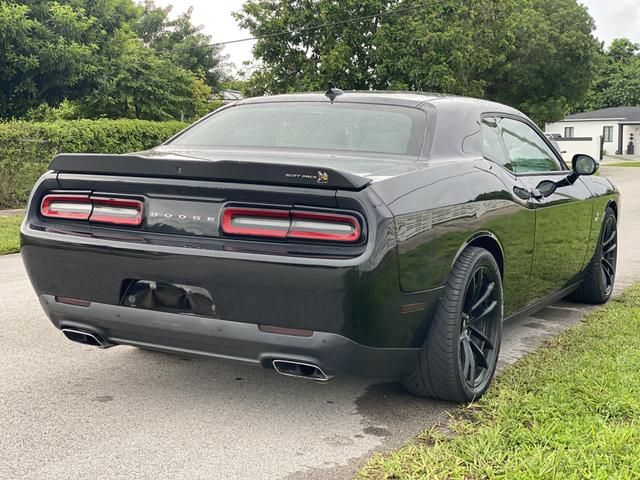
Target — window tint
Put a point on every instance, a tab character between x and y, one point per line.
313	125
492	147
528	152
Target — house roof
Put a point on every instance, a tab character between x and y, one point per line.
617	113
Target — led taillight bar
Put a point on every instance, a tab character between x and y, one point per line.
283	224
72	207
256	222
324	226
117	211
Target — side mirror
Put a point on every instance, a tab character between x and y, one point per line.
584	165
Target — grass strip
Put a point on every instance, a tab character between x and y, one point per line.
570	410
10	234
623	164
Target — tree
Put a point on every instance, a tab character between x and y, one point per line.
46	54
538	55
553	62
87	52
617	83
182	42
135	84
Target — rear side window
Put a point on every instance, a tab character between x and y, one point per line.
492	146
347	127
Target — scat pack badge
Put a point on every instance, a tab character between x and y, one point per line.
323	177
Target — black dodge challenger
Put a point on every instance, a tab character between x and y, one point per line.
379	234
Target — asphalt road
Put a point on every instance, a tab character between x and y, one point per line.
68	411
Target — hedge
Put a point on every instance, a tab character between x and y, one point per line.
26	148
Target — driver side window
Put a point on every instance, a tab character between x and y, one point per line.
527	151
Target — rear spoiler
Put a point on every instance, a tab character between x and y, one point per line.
237	171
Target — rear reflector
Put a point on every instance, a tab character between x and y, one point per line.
73	301
296	332
283	224
118	211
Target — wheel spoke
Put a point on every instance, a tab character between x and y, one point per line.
607	265
468	357
471	292
484	297
480	358
612	235
484	313
470	364
481	336
611	249
608	274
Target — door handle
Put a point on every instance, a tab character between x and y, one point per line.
525	194
536	194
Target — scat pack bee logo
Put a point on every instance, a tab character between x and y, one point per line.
323	177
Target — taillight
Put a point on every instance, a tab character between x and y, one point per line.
294	224
324	226
73	207
256	222
117	211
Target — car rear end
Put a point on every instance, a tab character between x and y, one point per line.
274	264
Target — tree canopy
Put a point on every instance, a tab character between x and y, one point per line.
110	58
538	55
618	79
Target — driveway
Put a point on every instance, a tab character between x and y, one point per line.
68	411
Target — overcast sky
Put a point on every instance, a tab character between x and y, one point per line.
614	19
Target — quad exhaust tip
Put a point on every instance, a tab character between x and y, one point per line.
85	337
292	368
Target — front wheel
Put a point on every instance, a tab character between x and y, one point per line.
459	356
600	275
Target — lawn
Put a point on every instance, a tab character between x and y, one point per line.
571	410
10	234
623	164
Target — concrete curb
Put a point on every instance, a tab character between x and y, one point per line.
8	213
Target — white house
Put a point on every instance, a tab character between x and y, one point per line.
618	128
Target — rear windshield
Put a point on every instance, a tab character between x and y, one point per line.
316	126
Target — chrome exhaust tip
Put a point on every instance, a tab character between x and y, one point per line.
85	337
292	368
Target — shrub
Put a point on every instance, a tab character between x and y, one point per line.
26	148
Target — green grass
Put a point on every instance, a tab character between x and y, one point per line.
571	410
10	234
623	164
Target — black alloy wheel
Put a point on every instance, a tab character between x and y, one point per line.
609	254
600	275
460	354
479	333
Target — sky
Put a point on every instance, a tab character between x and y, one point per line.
614	19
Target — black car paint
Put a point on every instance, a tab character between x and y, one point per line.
419	216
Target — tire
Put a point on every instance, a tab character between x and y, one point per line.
600	275
442	371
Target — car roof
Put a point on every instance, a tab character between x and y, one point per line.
400	98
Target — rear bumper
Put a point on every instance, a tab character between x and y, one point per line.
239	341
357	299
